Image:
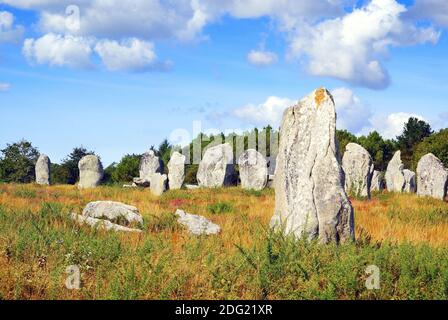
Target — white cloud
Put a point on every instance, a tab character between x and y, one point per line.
262	58
131	55
434	10
57	50
8	31
4	87
350	47
392	125
352	114
268	112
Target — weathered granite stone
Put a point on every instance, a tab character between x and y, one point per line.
310	198
101	224
191	186
158	184
432	177
216	168
176	170
358	168
90	172
395	180
115	212
378	183
253	170
197	225
139	182
410	185
149	165
43	170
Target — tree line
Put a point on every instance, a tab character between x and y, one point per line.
18	159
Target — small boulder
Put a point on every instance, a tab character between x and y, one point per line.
115	212
101	224
197	225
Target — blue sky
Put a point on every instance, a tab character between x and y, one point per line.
123	81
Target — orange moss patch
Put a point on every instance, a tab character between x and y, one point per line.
320	96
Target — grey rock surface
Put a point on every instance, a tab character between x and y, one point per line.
176	171
116	212
410	183
378	182
253	170
358	168
432	177
149	165
216	168
158	184
101	224
197	225
310	198
90	172
43	170
395	180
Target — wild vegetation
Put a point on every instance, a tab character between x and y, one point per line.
404	235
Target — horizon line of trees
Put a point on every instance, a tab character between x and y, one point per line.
17	160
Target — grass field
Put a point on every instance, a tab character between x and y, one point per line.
405	236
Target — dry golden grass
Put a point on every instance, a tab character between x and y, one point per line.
165	262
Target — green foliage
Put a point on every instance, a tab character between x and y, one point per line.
68	172
380	149
125	170
414	132
220	208
17	162
436	144
191	171
344	138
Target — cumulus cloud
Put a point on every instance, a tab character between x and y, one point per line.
434	10
4	87
391	126
57	50
128	55
352	114
8	31
261	58
268	112
350	47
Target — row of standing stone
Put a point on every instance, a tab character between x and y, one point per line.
430	180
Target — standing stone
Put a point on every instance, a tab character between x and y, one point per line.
43	170
158	183
395	180
378	183
149	165
410	185
310	199
216	168
432	177
176	170
90	172
253	170
358	168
